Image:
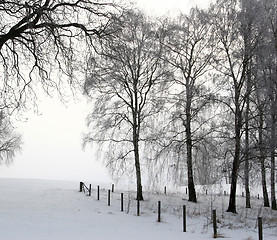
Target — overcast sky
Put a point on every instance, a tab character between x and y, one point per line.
53	139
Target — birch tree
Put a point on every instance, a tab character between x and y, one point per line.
126	76
261	102
270	10
251	33
190	48
233	63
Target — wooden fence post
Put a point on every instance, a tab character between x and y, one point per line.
214	224
165	190
81	186
260	226
112	187
186	190
121	202
184	219
98	192
109	197
89	193
159	211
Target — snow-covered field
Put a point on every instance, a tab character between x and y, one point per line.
44	209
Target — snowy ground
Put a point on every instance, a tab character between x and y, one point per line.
56	210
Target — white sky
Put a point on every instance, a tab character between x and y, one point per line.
163	7
53	140
53	145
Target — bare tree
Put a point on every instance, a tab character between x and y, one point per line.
233	63
126	76
249	26
10	141
228	34
41	45
190	48
265	90
261	102
270	13
39	42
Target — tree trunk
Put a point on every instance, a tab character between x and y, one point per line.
136	133
273	131
192	193
137	162
246	163
265	194
236	161
138	172
272	158
273	195
246	172
234	177
262	159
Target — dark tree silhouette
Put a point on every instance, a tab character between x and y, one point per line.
39	42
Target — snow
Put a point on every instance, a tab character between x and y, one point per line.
32	209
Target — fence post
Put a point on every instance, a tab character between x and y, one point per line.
159	211
258	196
112	187
165	190
89	193
109	197
260	226
121	202
242	194
184	219
214	224
138	213
98	192
81	186
186	190
206	191
224	193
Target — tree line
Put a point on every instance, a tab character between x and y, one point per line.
194	93
191	97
